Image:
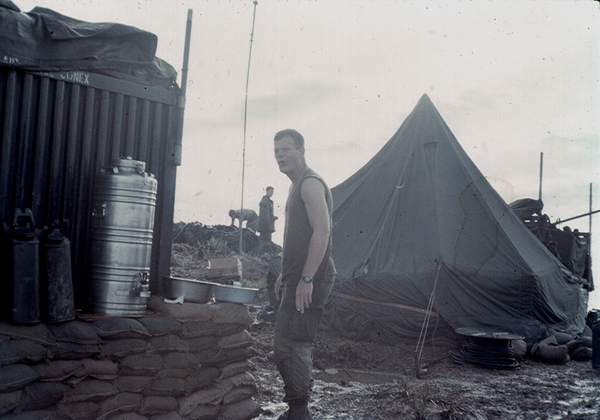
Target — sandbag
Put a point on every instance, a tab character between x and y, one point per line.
91	390
581	353
15	377
239	394
79	410
167	387
201	343
242	379
203	378
519	348
157	405
240	340
31	415
120	328
73	351
222	357
97	369
226	330
160	325
548	350
561	338
168	416
22	351
168	343
123	402
199	329
232	369
38	333
11	400
231	313
123	347
182	312
205	412
44	394
75	332
57	370
135	384
209	396
180	365
243	410
579	342
145	364
126	416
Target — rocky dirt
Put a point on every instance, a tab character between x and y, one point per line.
367	381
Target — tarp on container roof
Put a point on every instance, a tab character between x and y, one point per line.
44	40
420	220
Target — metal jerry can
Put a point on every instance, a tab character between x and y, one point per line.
56	280
122	223
21	255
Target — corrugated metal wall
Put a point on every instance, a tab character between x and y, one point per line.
59	129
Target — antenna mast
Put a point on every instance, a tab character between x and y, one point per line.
245	113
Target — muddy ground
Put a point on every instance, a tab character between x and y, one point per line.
367	381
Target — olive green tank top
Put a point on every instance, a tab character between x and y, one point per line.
297	234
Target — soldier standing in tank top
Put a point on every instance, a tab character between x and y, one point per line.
307	272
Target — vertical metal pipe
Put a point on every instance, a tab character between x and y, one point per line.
541	172
117	133
72	144
177	152
103	129
9	141
143	136
39	183
25	145
130	137
56	154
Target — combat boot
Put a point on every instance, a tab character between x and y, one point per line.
296	412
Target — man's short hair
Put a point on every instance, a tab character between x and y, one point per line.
269	188
297	137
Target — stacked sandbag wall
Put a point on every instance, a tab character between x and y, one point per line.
180	361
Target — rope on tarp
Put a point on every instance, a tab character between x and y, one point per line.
428	312
375	302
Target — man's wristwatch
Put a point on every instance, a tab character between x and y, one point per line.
307	279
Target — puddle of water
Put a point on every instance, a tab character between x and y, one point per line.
581	405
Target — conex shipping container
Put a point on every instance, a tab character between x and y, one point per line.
63	117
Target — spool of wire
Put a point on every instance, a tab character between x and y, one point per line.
489	349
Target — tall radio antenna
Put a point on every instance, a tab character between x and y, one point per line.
245	114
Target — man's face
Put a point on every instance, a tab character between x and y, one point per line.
288	157
269	193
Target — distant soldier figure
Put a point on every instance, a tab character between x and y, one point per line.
249	216
266	219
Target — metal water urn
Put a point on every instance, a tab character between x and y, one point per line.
122	222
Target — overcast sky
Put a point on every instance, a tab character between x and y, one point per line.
511	79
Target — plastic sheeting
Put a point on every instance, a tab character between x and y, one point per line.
418	222
44	40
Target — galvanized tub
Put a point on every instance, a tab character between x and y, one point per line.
196	291
122	222
233	294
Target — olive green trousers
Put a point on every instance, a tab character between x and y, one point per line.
294	339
